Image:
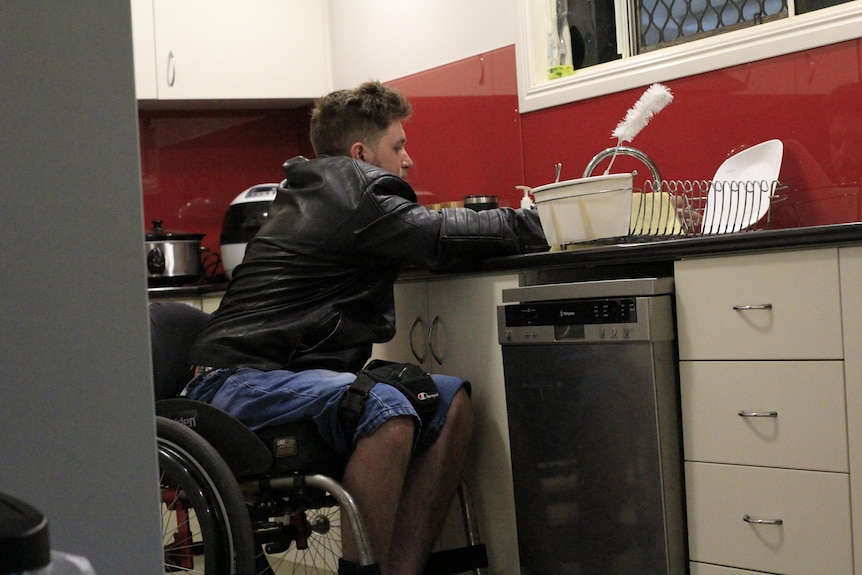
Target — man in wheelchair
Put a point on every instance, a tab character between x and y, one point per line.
315	291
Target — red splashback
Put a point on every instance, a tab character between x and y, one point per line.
194	163
465	133
812	101
467	137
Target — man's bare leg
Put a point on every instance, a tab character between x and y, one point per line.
375	478
431	484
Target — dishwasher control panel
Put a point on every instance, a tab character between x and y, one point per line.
586	320
576	312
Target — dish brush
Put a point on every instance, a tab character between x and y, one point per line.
651	102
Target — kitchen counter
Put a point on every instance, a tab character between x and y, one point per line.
644	257
191	290
641	257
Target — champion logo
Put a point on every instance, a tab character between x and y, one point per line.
423	395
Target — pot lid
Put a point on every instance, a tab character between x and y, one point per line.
157	232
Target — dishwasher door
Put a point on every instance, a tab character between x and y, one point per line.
592	399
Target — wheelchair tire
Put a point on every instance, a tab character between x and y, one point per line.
206	527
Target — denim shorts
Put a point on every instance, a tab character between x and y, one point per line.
264	398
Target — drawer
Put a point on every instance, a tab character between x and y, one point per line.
764	306
814	508
803	424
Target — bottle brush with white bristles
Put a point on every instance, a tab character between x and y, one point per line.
651	102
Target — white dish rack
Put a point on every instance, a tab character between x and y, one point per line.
669	209
702	207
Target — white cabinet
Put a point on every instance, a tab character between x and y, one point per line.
763	413
224	50
765	427
144	45
462	311
813	510
851	307
412	323
766	306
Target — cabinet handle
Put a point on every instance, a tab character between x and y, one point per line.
758	413
416	322
749	519
750	307
431	339
172	68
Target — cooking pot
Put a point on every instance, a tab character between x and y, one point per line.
479	203
173	258
244	216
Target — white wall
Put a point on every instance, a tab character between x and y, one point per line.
77	432
388	39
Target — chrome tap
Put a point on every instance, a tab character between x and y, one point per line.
625	151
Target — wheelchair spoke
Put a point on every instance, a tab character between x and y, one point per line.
319	546
205	524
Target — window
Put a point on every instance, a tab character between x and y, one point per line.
668	22
576	49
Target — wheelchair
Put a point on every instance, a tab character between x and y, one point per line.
238	502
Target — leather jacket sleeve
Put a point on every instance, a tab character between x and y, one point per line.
411	234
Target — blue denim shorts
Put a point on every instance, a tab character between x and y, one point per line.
264	398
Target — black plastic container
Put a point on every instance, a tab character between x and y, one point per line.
24	543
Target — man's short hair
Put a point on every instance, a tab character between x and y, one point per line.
363	114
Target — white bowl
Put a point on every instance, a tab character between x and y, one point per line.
585	209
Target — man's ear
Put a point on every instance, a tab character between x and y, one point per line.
357	151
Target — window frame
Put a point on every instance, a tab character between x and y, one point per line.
795	33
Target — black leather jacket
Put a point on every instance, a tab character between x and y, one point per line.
315	287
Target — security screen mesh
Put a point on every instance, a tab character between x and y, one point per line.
666	22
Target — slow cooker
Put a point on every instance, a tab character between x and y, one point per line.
173	257
243	219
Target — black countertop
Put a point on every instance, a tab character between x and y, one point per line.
189	290
660	253
642	257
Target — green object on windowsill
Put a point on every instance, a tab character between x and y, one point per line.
559	71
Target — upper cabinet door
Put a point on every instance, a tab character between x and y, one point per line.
256	49
144	43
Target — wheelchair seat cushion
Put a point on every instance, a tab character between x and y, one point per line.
286	449
298	447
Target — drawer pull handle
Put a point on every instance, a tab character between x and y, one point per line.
751	307
172	69
431	339
416	323
749	519
758	413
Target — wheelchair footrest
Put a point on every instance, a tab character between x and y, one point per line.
460	560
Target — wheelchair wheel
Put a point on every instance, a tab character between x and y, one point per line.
315	544
205	523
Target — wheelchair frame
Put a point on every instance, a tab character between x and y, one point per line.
231	492
247	476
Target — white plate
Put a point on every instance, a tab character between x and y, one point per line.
742	187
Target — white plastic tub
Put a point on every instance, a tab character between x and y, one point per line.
585	209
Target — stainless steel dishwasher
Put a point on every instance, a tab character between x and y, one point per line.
592	397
